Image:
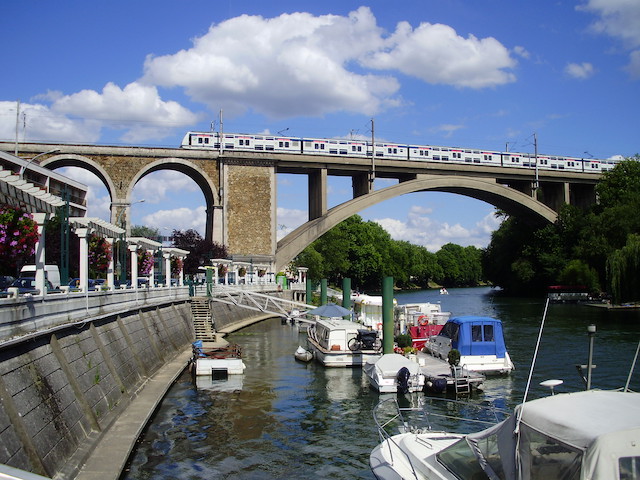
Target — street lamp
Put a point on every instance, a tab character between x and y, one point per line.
22	169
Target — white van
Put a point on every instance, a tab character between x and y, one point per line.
51	273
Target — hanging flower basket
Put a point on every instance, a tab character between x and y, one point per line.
242	271
222	270
145	263
176	266
99	253
262	272
18	237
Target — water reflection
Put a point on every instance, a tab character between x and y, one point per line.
295	420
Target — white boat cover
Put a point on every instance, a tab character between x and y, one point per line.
561	435
389	364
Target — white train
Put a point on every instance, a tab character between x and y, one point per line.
391	151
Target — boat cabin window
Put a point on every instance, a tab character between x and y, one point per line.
629	468
482	333
450	330
545	457
460	460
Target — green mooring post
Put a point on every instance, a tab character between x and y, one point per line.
209	281
309	292
323	291
387	315
346	294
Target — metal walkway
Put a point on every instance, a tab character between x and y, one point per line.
259	302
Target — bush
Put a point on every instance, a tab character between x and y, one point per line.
404	340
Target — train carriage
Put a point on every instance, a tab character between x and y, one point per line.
383	150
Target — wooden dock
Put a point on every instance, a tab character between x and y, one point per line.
438	376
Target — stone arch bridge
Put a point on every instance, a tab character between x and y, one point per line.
240	188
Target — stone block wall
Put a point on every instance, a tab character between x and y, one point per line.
59	390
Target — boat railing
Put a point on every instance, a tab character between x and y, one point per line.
417	418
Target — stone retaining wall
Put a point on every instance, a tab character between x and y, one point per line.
58	391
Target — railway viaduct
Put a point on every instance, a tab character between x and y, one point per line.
240	188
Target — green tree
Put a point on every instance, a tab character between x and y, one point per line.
201	251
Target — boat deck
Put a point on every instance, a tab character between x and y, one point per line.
436	369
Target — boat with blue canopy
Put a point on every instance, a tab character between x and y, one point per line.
479	341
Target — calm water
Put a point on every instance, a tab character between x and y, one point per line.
293	420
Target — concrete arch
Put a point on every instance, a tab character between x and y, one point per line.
510	200
80	161
195	173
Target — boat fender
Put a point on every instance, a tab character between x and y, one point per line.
439	385
403	380
423	320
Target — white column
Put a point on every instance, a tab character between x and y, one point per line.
167	268
82	234
236	279
152	272
181	274
134	265
40	219
216	280
110	268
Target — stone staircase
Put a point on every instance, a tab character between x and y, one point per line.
202	321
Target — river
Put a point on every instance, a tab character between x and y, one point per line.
291	420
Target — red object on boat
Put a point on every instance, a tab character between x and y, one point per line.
420	334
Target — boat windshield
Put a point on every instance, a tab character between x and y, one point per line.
460	460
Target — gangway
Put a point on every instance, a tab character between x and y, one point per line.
260	302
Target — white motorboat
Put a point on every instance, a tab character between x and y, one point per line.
479	340
303	355
335	342
585	435
393	373
217	362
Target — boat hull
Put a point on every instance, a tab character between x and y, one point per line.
341	358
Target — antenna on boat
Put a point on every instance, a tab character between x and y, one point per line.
633	364
533	363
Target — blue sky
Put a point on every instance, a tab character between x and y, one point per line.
483	74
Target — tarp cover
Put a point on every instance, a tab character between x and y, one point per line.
561	434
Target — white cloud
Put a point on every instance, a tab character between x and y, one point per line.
159	186
436	54
448	129
420	229
177	219
633	68
288	219
580	71
521	51
294	64
137	108
619	19
98	199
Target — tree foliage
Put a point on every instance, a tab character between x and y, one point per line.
201	251
364	252
593	247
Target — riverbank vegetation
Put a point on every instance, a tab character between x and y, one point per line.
364	252
597	248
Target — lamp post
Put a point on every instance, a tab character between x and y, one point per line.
22	169
121	255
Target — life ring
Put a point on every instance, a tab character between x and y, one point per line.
423	320
379	326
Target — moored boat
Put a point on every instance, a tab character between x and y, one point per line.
335	342
584	435
303	355
217	362
479	341
421	321
394	373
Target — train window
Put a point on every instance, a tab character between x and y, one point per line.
259	147
200	140
436	157
476	160
269	147
343	152
467	159
445	157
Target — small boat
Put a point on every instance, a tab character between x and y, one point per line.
394	373
421	321
443	291
303	355
584	435
335	342
216	362
479	340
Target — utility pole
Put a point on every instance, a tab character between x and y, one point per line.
372	177
17	125
535	149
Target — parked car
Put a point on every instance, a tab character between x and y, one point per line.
5	281
28	285
75	283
